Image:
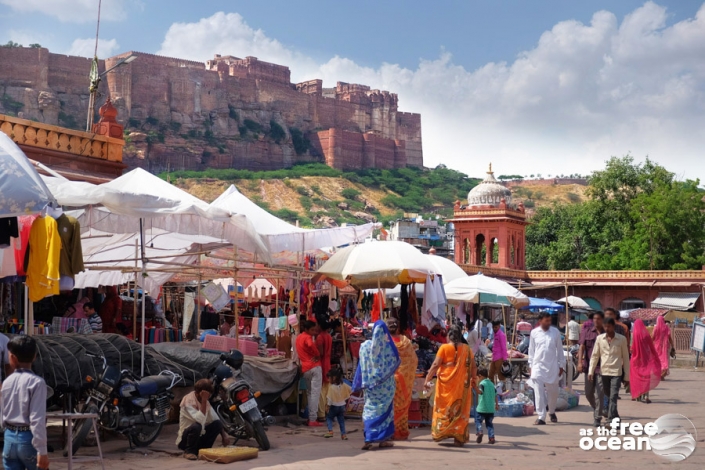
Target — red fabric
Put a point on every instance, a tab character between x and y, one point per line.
308	352
645	365
324	341
25	225
376	309
661	335
110	309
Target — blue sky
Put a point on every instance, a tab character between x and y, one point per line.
535	86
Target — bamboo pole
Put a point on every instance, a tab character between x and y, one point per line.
237	297
198	300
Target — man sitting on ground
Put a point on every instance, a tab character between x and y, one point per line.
199	424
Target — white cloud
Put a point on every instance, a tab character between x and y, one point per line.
86	47
583	93
72	11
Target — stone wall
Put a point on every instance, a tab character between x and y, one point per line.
192	115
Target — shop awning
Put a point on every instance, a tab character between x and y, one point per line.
676	300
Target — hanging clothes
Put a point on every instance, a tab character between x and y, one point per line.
429	310
110	310
378	299
71	260
8	230
25	223
43	261
403	313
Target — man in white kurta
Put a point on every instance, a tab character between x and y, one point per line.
547	363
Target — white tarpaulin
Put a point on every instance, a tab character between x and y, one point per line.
22	191
468	289
104	255
283	236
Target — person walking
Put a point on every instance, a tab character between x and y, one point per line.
487	404
379	361
573	331
336	400
594	392
499	350
644	365
473	338
456	376
612	354
547	364
663	342
404	377
310	358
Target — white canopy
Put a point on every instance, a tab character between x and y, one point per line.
283	236
22	192
140	195
448	270
468	289
374	264
574	302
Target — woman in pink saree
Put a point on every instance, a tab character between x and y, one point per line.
645	365
664	344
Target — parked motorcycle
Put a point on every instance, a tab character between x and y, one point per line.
235	402
126	404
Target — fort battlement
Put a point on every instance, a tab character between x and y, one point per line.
181	101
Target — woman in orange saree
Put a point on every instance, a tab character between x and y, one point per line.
404	377
456	371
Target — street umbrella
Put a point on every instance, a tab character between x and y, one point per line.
448	270
22	191
376	264
575	302
468	289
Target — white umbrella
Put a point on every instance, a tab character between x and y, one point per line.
377	264
22	191
469	288
448	270
574	302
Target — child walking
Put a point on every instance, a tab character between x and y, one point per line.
338	394
487	404
23	402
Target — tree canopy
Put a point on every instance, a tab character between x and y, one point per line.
637	216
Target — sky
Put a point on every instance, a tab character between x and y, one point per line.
543	87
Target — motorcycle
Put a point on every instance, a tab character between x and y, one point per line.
235	403
124	403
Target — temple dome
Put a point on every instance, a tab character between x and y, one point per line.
489	192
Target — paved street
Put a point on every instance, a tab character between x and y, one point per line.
519	443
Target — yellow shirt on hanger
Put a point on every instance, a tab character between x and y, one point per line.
44	254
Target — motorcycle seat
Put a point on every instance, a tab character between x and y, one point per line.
153	384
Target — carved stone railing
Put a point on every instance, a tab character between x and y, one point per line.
61	139
494	271
488	212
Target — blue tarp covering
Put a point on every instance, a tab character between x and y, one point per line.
543	304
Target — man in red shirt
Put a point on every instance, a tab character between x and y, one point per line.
310	358
324	341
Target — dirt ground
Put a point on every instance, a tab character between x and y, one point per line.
520	444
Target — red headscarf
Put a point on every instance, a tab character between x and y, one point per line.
645	370
661	335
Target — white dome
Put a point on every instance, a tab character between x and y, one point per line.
489	192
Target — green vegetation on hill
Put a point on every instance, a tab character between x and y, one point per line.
428	192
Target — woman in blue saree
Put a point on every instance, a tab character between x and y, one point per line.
379	360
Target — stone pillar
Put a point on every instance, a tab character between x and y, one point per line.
369	157
335	149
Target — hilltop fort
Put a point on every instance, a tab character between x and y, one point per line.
228	112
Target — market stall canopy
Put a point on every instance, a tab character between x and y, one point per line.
647	314
574	302
676	300
22	191
280	235
110	258
543	304
369	265
448	270
469	289
164	206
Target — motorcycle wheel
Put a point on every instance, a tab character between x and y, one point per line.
260	435
576	374
146	435
81	429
